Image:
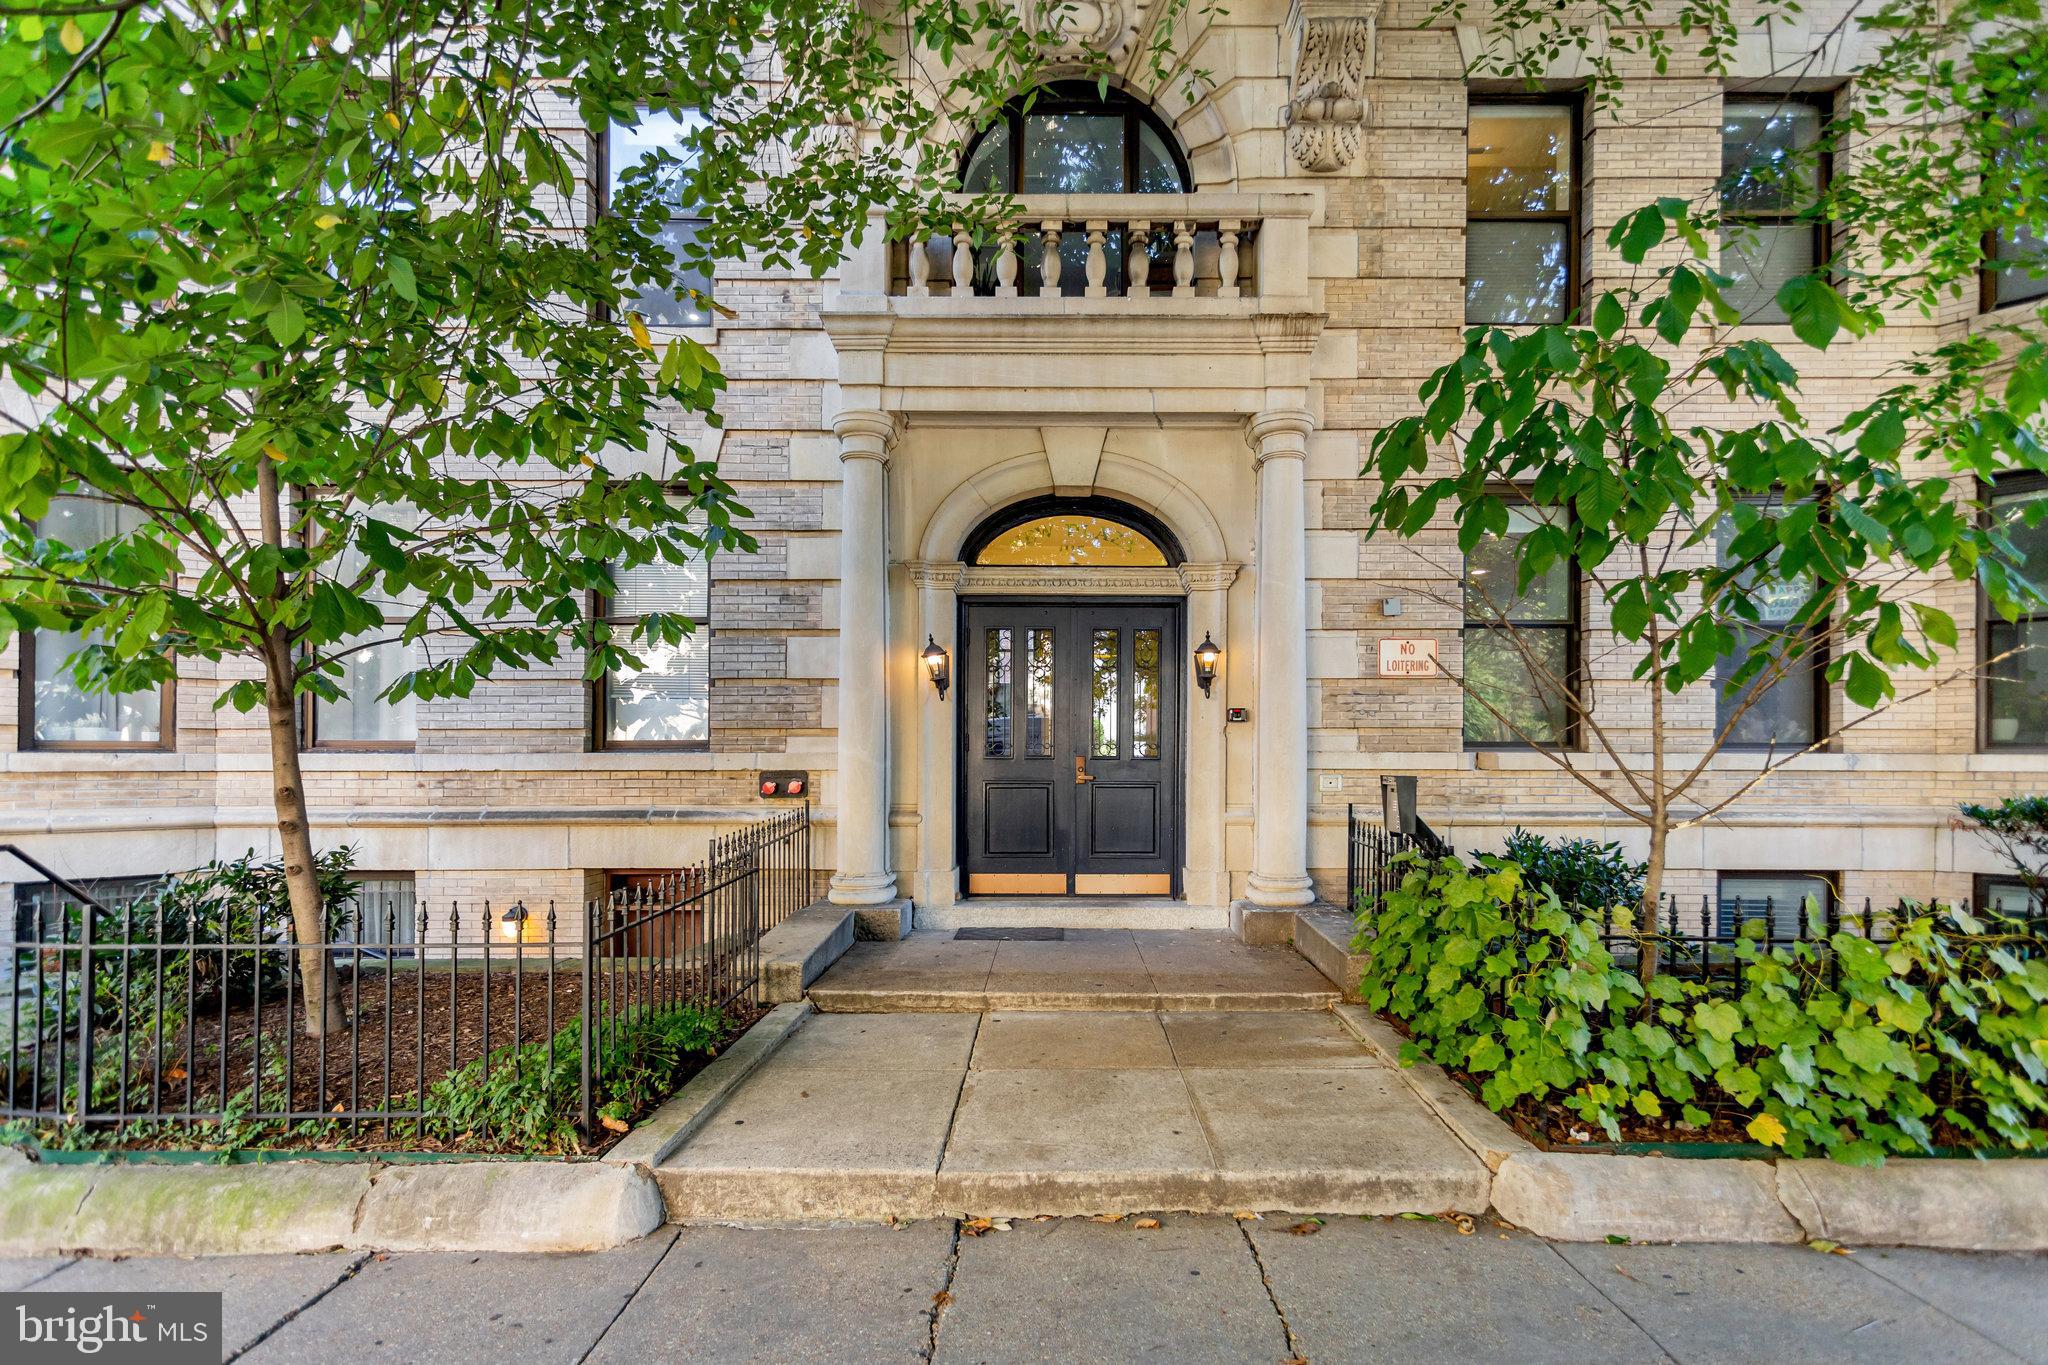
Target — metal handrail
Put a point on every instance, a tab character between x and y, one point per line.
70	887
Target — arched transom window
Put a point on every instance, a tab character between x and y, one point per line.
1092	533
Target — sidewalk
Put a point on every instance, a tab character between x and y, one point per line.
1193	1289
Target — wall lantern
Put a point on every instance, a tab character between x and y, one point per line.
938	664
512	924
1206	655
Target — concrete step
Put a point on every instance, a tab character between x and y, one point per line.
907	1000
798	951
1323	936
1072	912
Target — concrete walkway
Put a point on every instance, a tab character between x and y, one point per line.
1087	969
1191	1290
871	1116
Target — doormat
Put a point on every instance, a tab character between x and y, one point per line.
1033	935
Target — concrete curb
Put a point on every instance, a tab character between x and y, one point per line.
655	1138
297	1206
1324	938
797	951
1997	1205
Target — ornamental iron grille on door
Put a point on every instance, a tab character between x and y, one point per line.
1072	739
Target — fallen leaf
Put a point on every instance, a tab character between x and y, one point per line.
1146	1223
1831	1248
975	1227
1615	1239
176	1073
614	1125
1244	1217
1465	1225
1308	1229
1107	1218
941	1299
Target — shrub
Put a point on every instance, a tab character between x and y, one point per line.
2017	828
1848	1048
1581	871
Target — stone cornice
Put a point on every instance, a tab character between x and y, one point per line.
941	573
1208	577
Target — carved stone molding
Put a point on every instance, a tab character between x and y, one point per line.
942	573
1087	27
1063	581
1208	577
1335	43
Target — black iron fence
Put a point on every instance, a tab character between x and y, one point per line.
1371	847
162	1012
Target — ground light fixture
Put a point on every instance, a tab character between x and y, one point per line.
939	664
1206	655
512	924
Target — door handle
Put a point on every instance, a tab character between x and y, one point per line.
1081	773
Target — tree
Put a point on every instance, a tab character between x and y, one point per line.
1669	456
301	300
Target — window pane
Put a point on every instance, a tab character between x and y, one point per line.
359	717
1037	694
1765	166
2013	511
988	170
1515	272
1145	741
1761	257
1495	670
2016	696
1071	538
996	743
674	589
2014	284
2012	899
1492	573
668	700
1073	154
1519	159
66	714
1157	173
670	303
1785	712
1781	897
1104	694
382	910
81	522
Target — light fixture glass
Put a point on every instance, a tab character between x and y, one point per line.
939	664
1206	655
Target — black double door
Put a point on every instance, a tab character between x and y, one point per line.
1071	731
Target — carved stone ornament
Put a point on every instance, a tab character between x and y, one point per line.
1334	51
1086	26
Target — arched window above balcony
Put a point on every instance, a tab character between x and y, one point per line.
1074	140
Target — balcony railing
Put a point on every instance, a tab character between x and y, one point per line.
1116	246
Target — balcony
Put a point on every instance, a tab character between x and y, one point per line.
1157	303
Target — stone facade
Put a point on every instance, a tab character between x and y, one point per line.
870	427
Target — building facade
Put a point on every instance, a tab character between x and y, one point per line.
1105	480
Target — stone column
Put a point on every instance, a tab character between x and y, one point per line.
1207	875
1279	876
938	868
863	876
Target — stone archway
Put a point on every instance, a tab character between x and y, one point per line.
1073	463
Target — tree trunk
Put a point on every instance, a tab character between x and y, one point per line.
301	871
288	794
1653	893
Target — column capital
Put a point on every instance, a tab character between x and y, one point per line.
1208	577
1280	433
864	434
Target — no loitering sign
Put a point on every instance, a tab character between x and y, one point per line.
1408	658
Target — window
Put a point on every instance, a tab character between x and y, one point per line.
1521	648
370	663
1073	141
666	703
685	300
382	915
1772	175
57	713
2015	690
2016	265
1521	234
2011	897
1072	532
1777	898
38	906
1784	711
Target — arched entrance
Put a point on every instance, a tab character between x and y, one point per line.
1071	738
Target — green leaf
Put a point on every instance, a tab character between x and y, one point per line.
398	271
1609	317
287	322
1718	1020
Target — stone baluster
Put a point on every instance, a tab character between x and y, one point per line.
1049	258
920	266
1138	259
1226	259
1006	266
1098	260
963	262
1183	259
